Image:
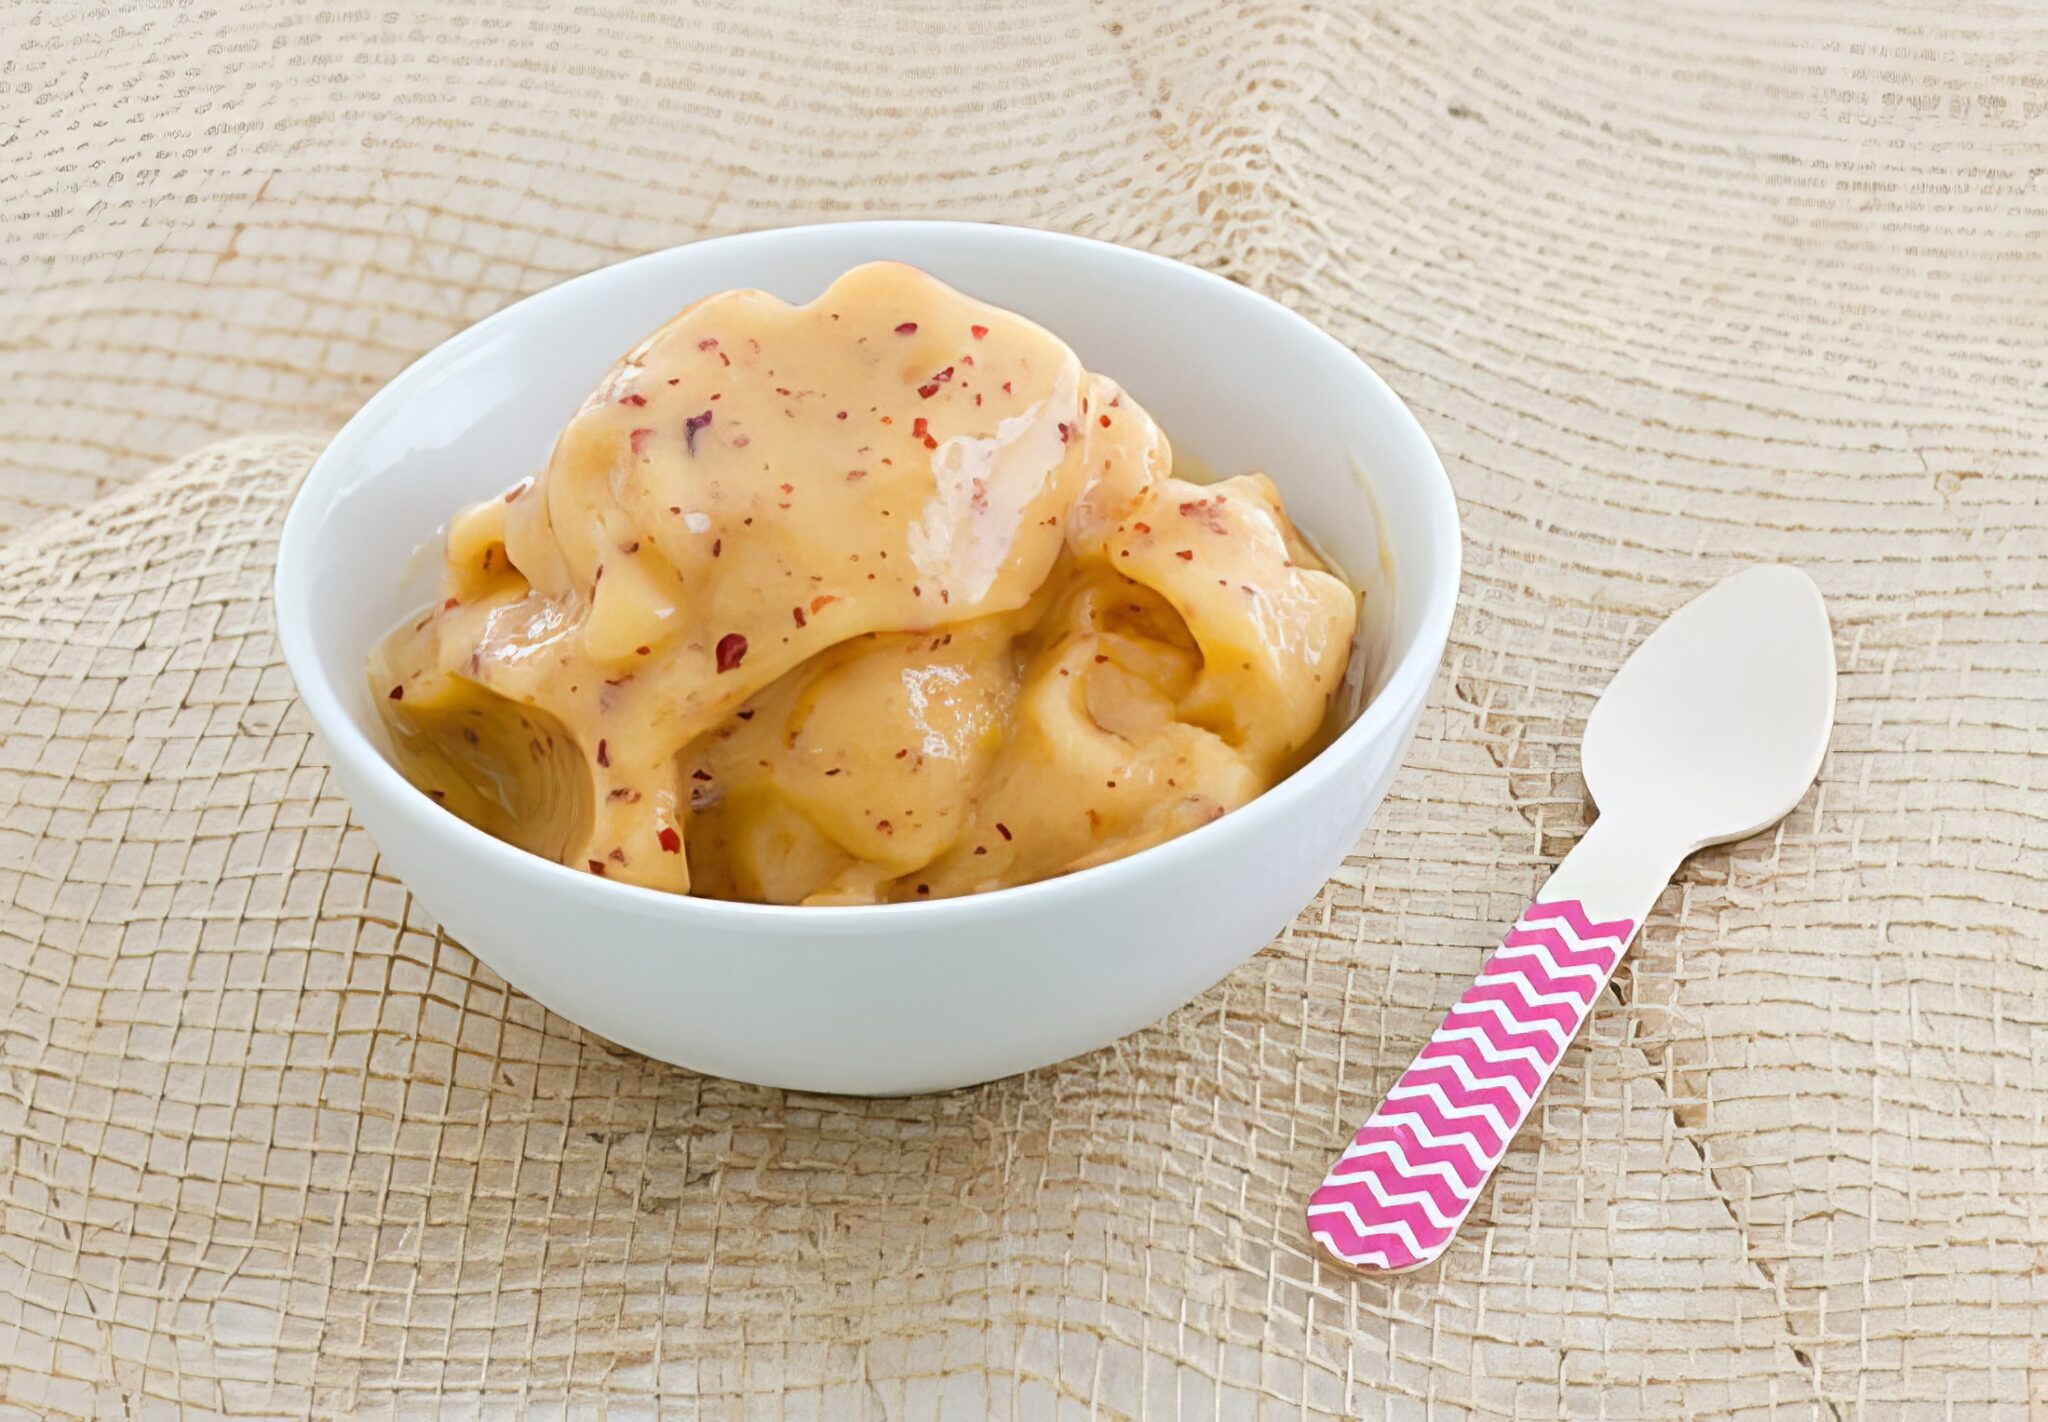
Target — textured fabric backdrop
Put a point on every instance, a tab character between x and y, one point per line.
1673	287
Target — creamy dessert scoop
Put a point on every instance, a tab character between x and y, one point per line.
880	597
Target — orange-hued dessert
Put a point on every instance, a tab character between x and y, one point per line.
879	598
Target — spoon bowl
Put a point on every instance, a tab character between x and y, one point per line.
1717	723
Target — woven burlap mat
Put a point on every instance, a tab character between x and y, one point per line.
1672	288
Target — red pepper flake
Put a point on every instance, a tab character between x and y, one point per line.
671	842
977	397
1004	830
603	756
927	391
740	441
625	793
709	343
920	428
967	360
732	650
787	488
724	359
617	856
618	680
597	867
1100	658
635	399
1105	420
642	651
842	414
675	380
823	600
640	438
1094	820
908	328
782	390
397	693
902	753
924	888
1186	555
633	547
690	428
1006	387
1065	434
853	474
451	603
747	715
885	827
716	544
977	331
700	774
1142	527
798	614
516	490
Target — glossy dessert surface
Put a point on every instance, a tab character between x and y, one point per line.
882	597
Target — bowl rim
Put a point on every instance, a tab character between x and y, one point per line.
352	750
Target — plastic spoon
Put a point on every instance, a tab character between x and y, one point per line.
1711	731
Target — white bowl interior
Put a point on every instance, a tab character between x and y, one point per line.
1235	380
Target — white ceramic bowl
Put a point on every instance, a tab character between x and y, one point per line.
903	997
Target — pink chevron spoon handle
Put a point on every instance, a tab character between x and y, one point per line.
1413	1171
